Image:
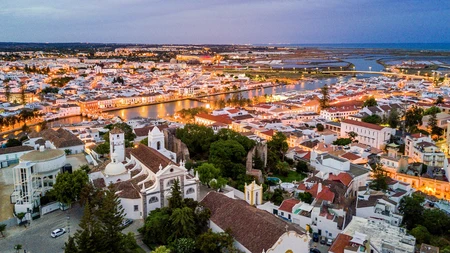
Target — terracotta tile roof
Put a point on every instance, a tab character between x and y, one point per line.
61	138
150	158
343	177
350	156
220	118
270	132
99	183
116	130
326	194
339	244
255	229
143	131
369	202
362	124
16	149
288	204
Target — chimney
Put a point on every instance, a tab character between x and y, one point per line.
319	188
41	148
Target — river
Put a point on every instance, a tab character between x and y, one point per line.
164	109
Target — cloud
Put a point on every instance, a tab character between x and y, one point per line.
225	21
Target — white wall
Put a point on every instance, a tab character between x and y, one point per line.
291	241
128	206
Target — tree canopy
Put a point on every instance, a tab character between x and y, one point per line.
370	102
68	186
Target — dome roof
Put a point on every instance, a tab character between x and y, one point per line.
43	155
113	169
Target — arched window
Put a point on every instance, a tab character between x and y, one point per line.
153	200
190	191
257	199
158	145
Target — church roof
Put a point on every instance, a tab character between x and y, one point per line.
255	229
150	157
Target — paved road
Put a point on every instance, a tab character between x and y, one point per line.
36	237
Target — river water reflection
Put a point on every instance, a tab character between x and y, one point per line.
160	110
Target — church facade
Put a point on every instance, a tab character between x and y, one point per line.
143	176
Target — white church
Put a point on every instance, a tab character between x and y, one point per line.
143	176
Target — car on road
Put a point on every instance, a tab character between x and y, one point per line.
329	241
57	232
323	240
126	222
315	237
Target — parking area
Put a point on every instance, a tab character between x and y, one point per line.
323	248
36	237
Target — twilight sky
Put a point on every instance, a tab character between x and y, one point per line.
225	21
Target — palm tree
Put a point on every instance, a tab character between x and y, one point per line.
183	222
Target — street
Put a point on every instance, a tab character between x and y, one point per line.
36	237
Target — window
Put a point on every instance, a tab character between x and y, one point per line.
117	136
190	191
136	208
153	200
282	213
158	145
289	216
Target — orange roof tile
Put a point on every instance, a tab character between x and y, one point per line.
288	204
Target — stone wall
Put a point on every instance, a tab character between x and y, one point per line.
261	150
175	145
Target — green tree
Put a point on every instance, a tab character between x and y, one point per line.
412	210
305	197
228	134
157	227
439	100
102	149
13	143
198	140
413	117
229	157
352	135
277	197
110	214
183	245
161	249
68	186
302	167
22	94
379	178
324	101
144	141
342	141
215	242
370	102
393	118
182	220
176	199
320	127
218	183
278	144
421	234
20	216
128	131
87	238
2	229
374	119
436	221
431	110
70	246
207	172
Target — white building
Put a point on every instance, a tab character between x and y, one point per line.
328	164
369	134
373	236
35	175
422	149
143	179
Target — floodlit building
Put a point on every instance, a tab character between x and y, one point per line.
34	176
